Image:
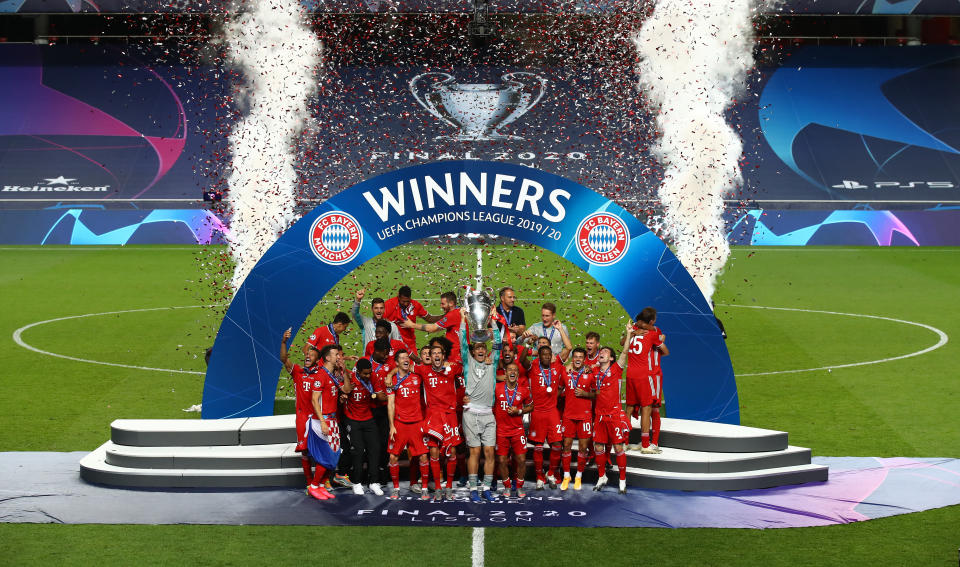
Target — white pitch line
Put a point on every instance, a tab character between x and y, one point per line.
477	555
943	339
17	338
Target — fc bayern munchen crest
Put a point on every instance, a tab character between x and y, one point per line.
603	239
336	238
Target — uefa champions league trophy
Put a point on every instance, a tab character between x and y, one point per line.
478	110
479	306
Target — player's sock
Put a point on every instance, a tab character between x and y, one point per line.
506	483
645	440
318	475
602	463
519	483
451	469
581	461
655	427
424	475
307	472
554	461
473	482
395	474
567	457
435	469
538	461
622	464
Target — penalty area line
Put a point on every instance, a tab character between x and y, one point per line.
943	339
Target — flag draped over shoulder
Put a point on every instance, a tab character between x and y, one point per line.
325	449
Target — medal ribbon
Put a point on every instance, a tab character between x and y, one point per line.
401	380
336	337
506	317
600	377
547	378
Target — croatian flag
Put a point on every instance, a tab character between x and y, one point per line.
325	449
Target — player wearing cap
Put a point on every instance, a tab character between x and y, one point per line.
547	376
610	424
579	394
513	400
404	394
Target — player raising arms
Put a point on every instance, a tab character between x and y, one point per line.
512	401
610	425
546	376
644	345
324	397
303	377
366	324
441	427
479	423
579	394
406	423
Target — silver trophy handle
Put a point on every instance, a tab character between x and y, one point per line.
510	79
414	82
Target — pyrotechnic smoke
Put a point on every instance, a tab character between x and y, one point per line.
279	57
694	56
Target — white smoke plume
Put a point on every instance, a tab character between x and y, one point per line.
694	56
279	57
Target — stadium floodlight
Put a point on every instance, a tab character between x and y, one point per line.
480	26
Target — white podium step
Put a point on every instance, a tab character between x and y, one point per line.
259	452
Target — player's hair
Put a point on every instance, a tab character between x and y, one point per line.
449	296
647	315
404	291
544	348
376	300
341	318
443	343
475	346
425	347
513	364
311	347
326	351
544	339
363	364
504	290
549	306
396	355
337	347
613	353
383	324
579	349
593	335
381	345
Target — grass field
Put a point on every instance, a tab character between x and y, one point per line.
902	407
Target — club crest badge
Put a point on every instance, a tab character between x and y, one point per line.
602	239
336	238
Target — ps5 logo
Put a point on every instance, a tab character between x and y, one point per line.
848	184
478	110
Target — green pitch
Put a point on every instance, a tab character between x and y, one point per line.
114	305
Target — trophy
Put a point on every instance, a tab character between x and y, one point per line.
479	306
478	111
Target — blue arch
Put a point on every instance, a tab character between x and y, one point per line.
473	197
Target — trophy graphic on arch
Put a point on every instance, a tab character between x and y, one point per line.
478	110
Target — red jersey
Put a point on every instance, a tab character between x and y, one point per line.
378	376
393	312
395	345
360	400
323	336
643	358
303	384
451	322
518	397
440	387
407	394
574	407
591	361
329	387
607	385
542	378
